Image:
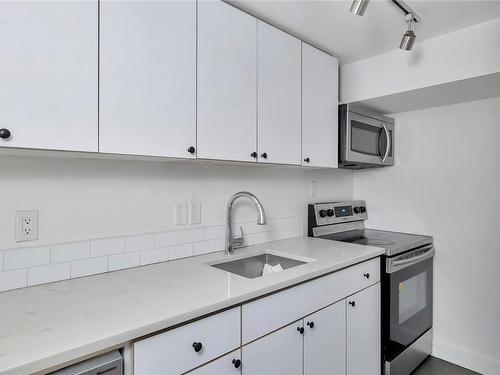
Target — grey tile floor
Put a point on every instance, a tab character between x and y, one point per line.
435	366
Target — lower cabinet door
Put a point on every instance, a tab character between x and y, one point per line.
363	332
324	341
279	353
230	364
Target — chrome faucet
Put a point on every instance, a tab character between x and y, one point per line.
261	220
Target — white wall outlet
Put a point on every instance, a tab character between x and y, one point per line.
26	226
314	189
194	213
181	213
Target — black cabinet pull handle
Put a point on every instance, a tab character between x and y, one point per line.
191	149
352	303
307	160
197	346
310	324
367	275
253	154
4	133
264	155
300	330
236	363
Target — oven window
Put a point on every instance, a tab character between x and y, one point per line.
412	296
365	138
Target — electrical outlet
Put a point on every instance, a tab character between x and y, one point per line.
314	189
181	213
194	213
26	226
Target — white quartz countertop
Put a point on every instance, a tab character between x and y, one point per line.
44	326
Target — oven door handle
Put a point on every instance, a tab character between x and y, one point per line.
388	142
396	265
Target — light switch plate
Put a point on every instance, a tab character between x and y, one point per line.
314	189
181	214
194	213
26	226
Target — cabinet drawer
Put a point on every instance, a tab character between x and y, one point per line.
277	310
363	275
172	352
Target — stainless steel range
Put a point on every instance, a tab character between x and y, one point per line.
406	280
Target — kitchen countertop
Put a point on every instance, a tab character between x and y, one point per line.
44	326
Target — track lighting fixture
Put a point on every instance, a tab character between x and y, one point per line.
409	36
358	7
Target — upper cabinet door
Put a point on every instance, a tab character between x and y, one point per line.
227	82
279	96
48	74
319	108
148	78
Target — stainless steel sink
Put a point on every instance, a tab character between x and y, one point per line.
253	267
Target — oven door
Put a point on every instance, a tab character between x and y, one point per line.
408	289
368	141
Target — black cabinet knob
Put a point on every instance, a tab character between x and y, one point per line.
191	150
352	303
197	346
253	154
307	160
264	155
4	133
310	324
236	363
367	275
300	330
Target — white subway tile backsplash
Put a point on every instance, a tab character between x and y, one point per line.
70	251
215	232
180	251
140	242
121	261
168	238
90	266
37	265
219	244
154	256
48	273
13	280
203	247
26	257
193	235
107	246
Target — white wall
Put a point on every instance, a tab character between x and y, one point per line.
84	199
446	183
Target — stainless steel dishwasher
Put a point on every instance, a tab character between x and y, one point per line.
106	364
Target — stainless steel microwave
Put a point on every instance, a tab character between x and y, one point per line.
366	139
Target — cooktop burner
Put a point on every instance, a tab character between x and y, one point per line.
393	242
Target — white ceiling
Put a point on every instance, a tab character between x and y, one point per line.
329	25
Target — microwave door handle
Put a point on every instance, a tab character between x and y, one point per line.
388	142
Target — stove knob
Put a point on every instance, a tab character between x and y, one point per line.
329	212
363	210
322	213
357	210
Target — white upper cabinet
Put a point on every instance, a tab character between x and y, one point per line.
319	108
48	75
227	83
148	78
279	96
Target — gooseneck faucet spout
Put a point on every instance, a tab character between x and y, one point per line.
261	220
